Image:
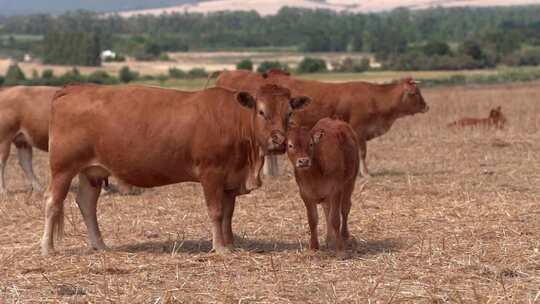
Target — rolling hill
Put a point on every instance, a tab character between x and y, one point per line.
269	7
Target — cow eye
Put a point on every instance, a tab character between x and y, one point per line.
290	146
261	113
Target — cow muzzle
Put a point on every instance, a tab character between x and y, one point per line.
276	143
303	163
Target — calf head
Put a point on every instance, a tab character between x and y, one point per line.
301	144
272	107
412	101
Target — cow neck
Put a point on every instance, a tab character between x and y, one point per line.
247	134
385	100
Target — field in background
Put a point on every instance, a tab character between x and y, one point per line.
448	216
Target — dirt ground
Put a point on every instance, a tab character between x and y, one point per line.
449	216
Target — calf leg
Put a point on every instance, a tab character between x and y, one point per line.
345	209
229	202
54	211
313	218
271	167
329	235
214	195
4	154
333	222
24	152
87	198
363	153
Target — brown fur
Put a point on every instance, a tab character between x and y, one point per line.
370	109
495	119
152	137
24	121
326	163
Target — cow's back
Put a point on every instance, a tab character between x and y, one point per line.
29	109
337	153
240	80
167	134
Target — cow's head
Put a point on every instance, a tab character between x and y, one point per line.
272	107
412	101
301	144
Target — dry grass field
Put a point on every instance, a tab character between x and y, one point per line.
449	216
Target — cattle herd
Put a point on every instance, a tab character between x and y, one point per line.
219	137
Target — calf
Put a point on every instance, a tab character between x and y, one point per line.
326	163
495	119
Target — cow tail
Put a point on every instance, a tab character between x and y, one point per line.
212	75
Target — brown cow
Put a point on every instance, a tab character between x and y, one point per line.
151	137
24	121
326	163
371	109
495	119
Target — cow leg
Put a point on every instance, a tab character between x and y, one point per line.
24	153
363	153
229	202
87	198
271	167
345	209
313	219
334	223
4	155
54	211
329	235
214	195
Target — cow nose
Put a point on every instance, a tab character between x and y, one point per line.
303	162
278	138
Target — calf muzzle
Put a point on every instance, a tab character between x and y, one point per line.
303	163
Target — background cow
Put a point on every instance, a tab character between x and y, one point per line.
495	119
151	137
24	121
326	163
371	109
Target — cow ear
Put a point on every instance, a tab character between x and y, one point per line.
299	102
317	136
245	99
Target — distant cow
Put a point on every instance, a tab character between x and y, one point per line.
24	121
371	109
326	163
495	119
151	137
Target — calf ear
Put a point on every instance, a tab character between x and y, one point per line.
299	102
317	136
245	99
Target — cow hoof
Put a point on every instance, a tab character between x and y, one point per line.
222	250
101	247
47	252
343	255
